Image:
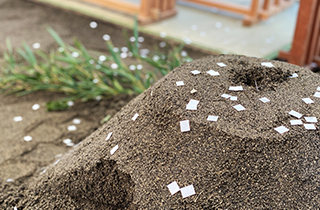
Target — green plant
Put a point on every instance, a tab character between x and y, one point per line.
82	75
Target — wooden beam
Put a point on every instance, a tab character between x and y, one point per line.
122	6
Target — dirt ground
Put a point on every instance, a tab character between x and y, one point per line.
20	161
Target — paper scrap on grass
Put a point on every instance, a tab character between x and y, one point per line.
236	88
17	118
233	98
311	119
213	73
317	94
179	83
187	191
281	129
9	180
35	106
264	100
295	114
135	116
72	128
309	126
76	121
68	142
239	107
294	75
195	72
296	122
184	126
267	64
192	105
212	118
221	64
173	187
193	91
109	136
27	138
308	100
114	149
226	95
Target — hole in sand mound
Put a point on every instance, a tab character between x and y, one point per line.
255	75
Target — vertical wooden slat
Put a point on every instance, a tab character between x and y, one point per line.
314	42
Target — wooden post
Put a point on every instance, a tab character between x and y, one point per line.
252	16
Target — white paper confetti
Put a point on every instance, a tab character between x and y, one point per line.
311	119
236	88
55	163
27	138
318	88
317	94
15	208
308	100
264	100
213	73
239	107
192	105
17	118
9	180
70	103
296	122
72	128
195	72
295	114
173	187
67	141
221	64
226	96
179	83
114	149
267	64
36	46
193	91
106	37
187	191
184	126
136	115
233	98
76	121
281	129
294	75
93	24
109	136
212	118
309	126
35	107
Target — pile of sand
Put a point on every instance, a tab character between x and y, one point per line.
237	162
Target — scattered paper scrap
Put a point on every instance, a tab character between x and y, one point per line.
226	96
173	187
136	115
193	91
27	138
184	126
213	73
68	142
9	180
264	100
109	136
72	128
35	106
294	75
17	118
318	88
281	129
114	149
295	114
70	103
317	94
233	98
267	64
76	121
187	191
308	100
311	119
180	83
55	163
195	72
309	126
239	107
212	118
192	105
221	64
93	24
236	88
15	208
296	122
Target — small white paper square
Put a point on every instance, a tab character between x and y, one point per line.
226	95
114	149
308	100
264	100
212	118
239	107
184	126
76	121
317	94
233	98
311	119
281	129
295	114
294	75
309	126
195	72
296	122
109	136
267	64
213	73
180	83
221	64
136	115
318	88
187	191
192	105
17	118
193	91
173	187
27	138
236	88
72	128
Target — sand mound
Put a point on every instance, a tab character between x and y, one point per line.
237	162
